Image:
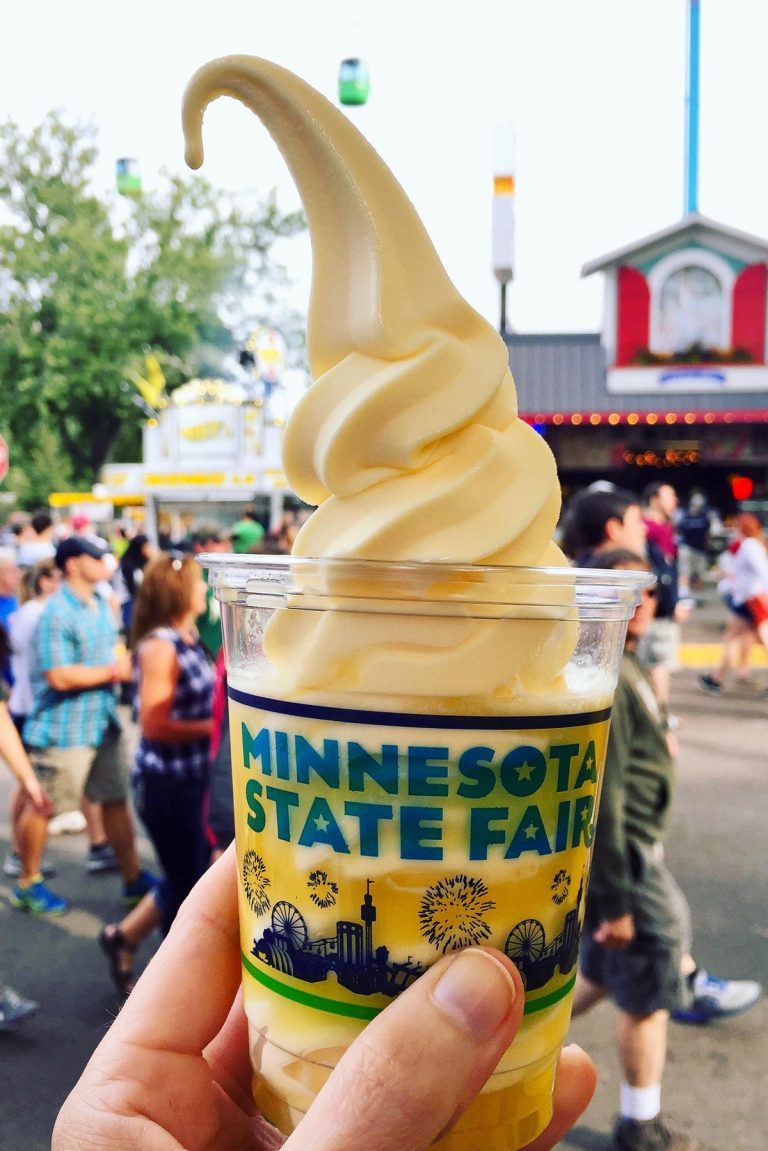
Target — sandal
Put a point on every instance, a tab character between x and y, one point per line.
114	944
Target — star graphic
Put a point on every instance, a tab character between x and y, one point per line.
524	771
321	823
531	831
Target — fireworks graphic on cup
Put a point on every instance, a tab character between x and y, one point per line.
560	886
322	890
255	883
452	913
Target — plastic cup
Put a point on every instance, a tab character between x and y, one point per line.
413	774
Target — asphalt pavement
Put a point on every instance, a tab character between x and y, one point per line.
714	1085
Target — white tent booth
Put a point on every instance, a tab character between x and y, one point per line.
213	448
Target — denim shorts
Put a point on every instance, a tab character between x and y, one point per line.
646	976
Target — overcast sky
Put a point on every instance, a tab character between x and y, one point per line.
595	91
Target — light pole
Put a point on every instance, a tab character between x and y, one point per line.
503	218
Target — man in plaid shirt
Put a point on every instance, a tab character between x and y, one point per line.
73	732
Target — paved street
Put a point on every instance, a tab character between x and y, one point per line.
717	849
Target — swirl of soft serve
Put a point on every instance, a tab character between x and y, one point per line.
409	440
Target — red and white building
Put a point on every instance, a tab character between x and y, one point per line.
676	381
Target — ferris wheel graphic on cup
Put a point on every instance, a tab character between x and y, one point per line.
289	925
536	959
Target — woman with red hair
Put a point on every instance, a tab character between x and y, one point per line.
740	581
750	572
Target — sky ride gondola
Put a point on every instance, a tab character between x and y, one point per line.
354	81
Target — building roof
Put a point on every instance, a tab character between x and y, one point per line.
691	228
567	372
557	372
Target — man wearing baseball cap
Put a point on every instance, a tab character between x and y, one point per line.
73	732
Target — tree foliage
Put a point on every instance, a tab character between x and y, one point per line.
83	295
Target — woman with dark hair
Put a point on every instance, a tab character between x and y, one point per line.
174	683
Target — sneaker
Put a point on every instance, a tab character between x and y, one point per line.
101	857
12	866
650	1135
709	683
68	823
717	998
38	899
135	891
14	1008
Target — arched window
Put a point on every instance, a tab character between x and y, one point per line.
691	299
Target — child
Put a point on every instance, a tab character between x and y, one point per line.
637	931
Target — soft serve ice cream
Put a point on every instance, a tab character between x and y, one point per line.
415	770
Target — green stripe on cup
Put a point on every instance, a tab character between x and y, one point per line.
358	1011
332	1006
532	1005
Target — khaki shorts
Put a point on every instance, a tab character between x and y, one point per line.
646	976
69	773
660	644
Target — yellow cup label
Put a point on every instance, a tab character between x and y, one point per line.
371	843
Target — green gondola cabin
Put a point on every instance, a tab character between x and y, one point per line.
128	176
354	81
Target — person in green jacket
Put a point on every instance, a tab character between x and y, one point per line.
636	946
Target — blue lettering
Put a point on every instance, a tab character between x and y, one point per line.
257	748
283	801
369	815
384	772
563	753
582	816
481	834
325	764
282	755
588	769
257	818
415	829
523	771
531	835
474	766
423	772
563	820
321	827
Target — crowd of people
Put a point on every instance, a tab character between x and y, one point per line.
87	623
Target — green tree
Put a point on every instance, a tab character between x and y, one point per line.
84	294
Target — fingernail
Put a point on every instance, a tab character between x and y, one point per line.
476	991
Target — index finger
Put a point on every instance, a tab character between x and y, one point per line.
184	996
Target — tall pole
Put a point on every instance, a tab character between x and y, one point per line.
691	191
504	215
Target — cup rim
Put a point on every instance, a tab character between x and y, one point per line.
631	579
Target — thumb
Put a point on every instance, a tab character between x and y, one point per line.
419	1064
